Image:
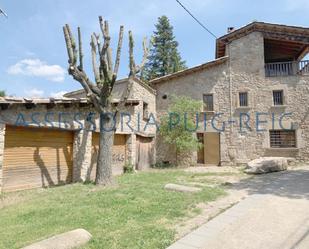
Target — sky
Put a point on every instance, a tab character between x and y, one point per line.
33	53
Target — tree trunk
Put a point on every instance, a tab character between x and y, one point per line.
104	162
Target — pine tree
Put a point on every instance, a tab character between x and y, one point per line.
164	57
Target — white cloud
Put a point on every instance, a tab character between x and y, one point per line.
37	68
58	94
34	93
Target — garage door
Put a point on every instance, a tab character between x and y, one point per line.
118	156
36	157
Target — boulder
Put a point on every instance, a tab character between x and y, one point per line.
69	240
181	188
264	165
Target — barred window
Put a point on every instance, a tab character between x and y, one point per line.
243	99
208	100
278	97
282	138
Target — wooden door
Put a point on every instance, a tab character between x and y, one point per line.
200	153
212	148
144	152
36	157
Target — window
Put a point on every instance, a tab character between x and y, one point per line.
208	100
278	97
145	110
243	99
282	139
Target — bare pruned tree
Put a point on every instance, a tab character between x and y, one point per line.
3	13
99	92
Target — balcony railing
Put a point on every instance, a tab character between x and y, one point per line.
287	68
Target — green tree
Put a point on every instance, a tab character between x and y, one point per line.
164	57
2	93
178	127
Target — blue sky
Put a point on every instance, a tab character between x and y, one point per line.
33	55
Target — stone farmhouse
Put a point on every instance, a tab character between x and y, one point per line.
255	96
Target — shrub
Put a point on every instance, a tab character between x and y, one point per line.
128	168
178	127
162	165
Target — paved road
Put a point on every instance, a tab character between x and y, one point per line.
275	215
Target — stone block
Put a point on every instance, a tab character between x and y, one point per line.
266	165
181	188
69	240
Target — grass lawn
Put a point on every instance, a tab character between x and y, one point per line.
136	213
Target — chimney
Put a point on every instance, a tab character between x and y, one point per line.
230	29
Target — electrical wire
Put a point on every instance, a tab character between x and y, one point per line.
201	24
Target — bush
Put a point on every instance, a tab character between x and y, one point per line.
178	127
128	168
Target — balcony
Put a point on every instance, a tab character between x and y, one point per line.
287	68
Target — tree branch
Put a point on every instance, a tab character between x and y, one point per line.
68	45
103	57
117	61
106	38
145	55
98	44
135	69
131	55
80	49
109	49
91	91
73	44
97	37
93	44
104	70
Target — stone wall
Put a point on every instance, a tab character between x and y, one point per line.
131	149
146	95
212	80
247	74
244	71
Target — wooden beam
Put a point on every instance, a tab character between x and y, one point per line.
303	53
286	37
4	106
50	105
30	105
